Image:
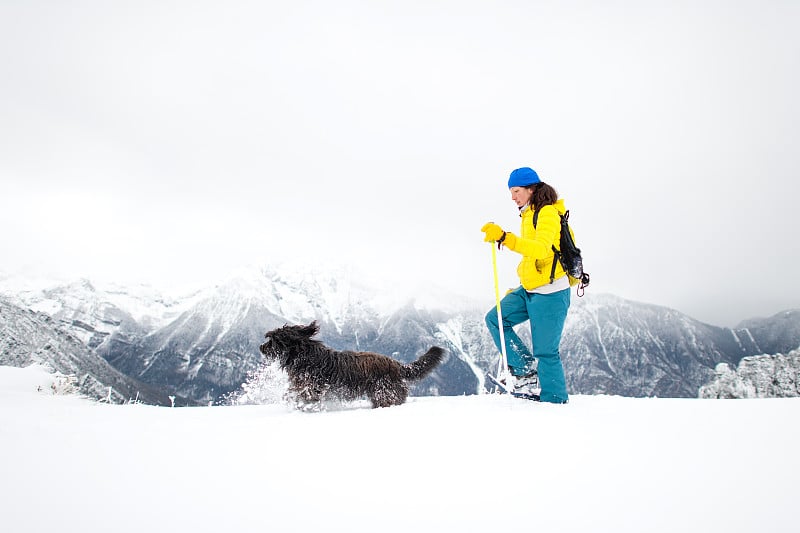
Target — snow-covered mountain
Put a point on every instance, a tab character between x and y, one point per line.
773	335
204	345
616	346
92	313
207	351
29	337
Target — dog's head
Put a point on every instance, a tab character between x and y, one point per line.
281	339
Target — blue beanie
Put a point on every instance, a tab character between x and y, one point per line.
522	177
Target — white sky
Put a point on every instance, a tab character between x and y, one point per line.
171	142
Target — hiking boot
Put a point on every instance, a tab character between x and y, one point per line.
529	383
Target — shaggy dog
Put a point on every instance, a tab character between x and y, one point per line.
317	372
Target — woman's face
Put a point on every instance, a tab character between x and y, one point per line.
521	195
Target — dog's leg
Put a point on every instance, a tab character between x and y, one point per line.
388	393
308	394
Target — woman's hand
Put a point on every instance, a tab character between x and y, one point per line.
493	232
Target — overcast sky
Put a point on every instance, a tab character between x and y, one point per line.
171	142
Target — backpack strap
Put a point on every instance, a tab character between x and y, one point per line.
556	260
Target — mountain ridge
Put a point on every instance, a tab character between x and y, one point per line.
204	345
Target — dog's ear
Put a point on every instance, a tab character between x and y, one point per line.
310	330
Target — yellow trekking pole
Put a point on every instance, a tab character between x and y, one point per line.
502	369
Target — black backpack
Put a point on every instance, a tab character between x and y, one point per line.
569	255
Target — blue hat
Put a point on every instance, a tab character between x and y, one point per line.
522	177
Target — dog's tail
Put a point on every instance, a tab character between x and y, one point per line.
424	365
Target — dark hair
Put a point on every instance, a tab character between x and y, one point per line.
543	194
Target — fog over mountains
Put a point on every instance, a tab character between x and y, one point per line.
202	346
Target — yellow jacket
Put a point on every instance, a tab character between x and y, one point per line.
536	245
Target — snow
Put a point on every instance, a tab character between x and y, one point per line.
434	464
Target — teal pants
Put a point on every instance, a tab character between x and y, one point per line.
547	314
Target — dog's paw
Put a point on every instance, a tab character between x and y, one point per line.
311	407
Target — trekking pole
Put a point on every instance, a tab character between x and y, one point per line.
502	369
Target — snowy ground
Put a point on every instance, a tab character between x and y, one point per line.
457	464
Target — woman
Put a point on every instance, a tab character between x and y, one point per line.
543	296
